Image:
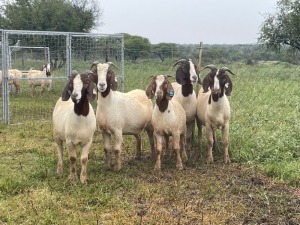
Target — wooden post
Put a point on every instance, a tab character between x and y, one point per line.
199	66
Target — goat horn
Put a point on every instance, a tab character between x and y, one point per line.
112	64
94	64
179	61
227	69
212	67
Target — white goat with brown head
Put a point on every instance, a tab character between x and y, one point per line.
74	122
187	75
168	118
120	113
213	109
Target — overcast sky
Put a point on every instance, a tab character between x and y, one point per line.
187	21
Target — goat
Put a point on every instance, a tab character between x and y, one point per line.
74	121
34	79
213	109
168	118
120	113
187	74
14	74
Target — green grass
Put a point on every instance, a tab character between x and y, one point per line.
258	187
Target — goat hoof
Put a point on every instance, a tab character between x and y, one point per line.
72	177
179	167
209	160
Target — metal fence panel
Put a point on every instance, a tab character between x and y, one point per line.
25	50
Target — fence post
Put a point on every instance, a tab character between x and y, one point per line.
5	91
199	66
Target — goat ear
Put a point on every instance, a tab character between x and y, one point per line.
228	86
66	94
180	76
170	91
91	95
93	77
112	80
205	84
150	89
94	67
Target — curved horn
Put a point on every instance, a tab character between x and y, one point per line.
227	69
179	61
168	76
112	64
94	64
212	67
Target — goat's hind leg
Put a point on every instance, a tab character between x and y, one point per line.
138	147
107	148
59	144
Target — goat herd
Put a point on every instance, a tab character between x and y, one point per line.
174	113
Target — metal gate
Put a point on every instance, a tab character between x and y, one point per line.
64	51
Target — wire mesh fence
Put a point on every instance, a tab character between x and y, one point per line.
265	102
26	50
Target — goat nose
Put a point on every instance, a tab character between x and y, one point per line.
102	84
195	77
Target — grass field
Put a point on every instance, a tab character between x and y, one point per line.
260	186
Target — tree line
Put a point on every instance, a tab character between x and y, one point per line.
279	38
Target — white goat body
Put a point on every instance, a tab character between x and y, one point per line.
15	74
120	113
213	109
74	122
44	83
168	118
187	74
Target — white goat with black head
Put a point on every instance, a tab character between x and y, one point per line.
213	109
187	74
120	113
74	121
168	118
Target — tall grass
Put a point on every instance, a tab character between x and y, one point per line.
264	136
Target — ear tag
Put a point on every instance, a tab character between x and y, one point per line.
226	85
171	93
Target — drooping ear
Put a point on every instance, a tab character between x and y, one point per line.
92	76
206	83
151	88
180	76
170	90
66	92
112	80
94	67
228	86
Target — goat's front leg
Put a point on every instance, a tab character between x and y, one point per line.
210	142
176	146
59	144
84	160
159	142
72	159
107	148
190	125
225	141
117	149
199	150
138	147
183	148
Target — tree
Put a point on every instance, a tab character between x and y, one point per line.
51	15
282	28
136	46
165	50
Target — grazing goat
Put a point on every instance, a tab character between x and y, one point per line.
14	74
120	113
187	74
213	109
168	118
35	79
74	121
